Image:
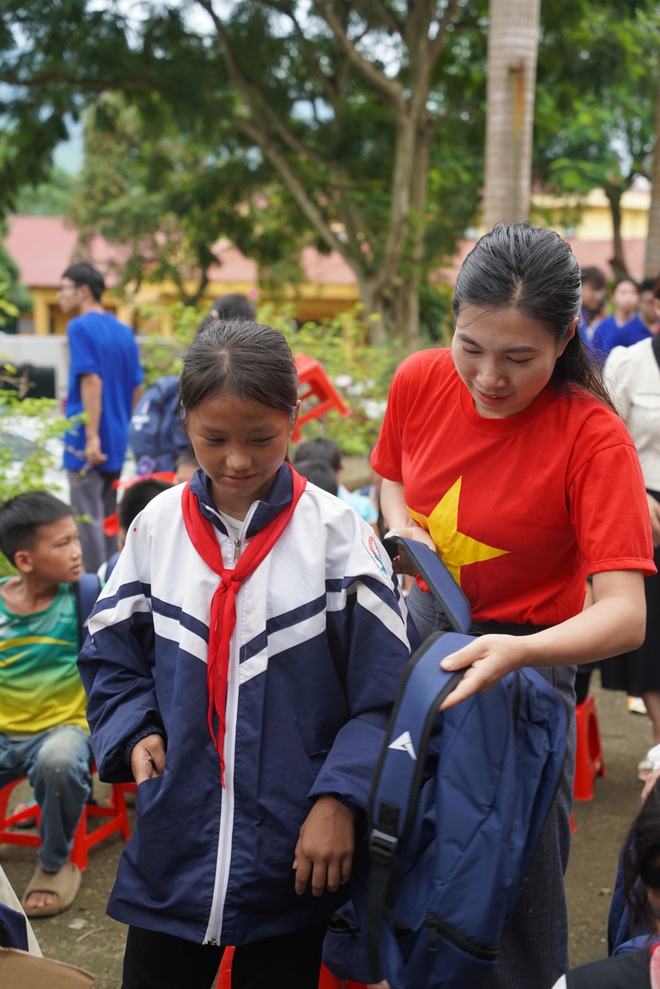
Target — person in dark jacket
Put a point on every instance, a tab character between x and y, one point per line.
640	968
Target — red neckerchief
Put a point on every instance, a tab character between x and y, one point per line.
223	604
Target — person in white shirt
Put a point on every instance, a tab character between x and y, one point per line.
632	375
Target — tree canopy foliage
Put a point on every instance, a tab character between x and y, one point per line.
596	93
361	121
353	125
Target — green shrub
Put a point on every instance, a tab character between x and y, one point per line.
361	372
25	462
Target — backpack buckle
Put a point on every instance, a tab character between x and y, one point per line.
382	846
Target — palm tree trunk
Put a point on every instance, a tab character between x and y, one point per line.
652	266
513	39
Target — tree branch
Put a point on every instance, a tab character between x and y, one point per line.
310	60
279	162
437	44
392	90
388	15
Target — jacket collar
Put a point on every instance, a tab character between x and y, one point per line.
277	498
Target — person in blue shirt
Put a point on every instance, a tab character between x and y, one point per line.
104	382
625	297
593	296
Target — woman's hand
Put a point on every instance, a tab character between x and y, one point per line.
490	658
148	758
325	847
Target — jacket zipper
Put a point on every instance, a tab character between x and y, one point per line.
223	862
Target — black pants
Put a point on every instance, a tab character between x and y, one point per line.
163	961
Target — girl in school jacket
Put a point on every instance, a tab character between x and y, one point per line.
241	664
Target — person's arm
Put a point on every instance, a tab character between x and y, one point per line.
137	391
614	624
91	394
369	646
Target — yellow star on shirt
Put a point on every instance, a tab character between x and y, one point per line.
455	548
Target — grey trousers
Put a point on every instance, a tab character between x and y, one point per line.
534	946
93	496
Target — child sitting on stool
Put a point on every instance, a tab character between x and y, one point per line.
43	725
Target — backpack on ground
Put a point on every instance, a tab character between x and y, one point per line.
457	805
154	431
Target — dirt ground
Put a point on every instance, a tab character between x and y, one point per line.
86	936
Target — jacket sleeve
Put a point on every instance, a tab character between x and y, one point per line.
370	645
116	664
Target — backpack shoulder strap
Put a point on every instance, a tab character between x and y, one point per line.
88	589
398	777
440	582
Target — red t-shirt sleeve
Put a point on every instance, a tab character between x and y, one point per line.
609	512
387	455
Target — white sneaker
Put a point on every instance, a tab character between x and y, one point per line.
636	705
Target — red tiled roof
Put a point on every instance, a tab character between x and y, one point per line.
43	246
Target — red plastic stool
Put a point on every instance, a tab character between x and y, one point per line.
326	980
589	754
82	840
314	382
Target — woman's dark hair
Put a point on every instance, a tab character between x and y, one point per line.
641	862
250	360
533	269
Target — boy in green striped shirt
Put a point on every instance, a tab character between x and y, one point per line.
43	728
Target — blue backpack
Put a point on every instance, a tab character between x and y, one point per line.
154	433
456	808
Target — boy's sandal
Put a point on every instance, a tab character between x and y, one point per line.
64	885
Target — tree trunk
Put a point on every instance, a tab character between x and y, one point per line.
618	262
652	266
372	299
513	38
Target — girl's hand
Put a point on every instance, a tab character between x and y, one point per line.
491	658
148	758
325	847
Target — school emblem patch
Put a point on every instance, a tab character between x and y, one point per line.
374	550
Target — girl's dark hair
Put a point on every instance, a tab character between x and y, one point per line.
533	269
250	360
641	862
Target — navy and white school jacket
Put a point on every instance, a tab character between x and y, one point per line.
315	661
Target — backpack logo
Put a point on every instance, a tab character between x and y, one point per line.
404	744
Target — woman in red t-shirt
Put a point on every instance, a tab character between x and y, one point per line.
506	456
